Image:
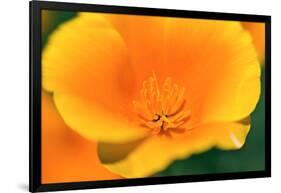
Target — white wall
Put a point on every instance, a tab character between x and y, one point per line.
14	94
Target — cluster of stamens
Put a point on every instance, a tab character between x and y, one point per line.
162	109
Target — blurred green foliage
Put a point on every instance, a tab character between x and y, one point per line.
251	157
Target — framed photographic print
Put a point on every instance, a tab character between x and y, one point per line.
125	96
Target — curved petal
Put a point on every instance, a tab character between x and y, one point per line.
231	135
217	63
145	158
64	152
86	66
95	122
257	31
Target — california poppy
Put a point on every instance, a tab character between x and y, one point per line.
150	90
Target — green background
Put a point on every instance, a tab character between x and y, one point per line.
251	157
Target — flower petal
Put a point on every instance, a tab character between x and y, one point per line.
257	31
95	122
218	65
64	152
144	37
154	154
86	66
231	135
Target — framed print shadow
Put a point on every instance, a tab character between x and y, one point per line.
126	96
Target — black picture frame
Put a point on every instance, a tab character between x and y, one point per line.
35	184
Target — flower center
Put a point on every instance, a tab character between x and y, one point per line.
162	109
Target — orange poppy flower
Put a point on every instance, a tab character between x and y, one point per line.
151	90
66	156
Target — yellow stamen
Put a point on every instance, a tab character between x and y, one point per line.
161	109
